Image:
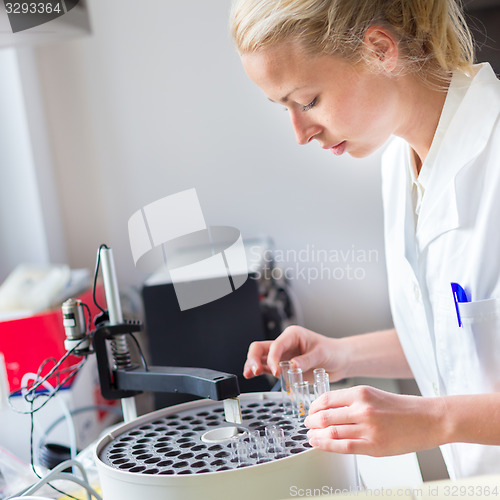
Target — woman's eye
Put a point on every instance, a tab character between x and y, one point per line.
307	107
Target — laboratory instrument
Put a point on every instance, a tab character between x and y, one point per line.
163	456
119	378
195	450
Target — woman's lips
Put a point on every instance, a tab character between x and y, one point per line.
339	148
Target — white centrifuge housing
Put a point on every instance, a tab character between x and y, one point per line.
165	455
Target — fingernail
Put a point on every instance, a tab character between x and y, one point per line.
254	368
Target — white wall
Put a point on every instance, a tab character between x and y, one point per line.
156	101
30	226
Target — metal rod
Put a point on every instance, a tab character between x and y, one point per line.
120	347
111	286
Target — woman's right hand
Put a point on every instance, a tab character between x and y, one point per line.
304	348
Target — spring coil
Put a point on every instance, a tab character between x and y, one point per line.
120	352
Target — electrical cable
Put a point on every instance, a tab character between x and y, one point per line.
55	423
40	369
32	462
65	410
51	372
57	474
67	477
141	354
30	395
89	326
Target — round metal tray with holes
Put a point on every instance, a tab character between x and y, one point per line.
162	456
173	444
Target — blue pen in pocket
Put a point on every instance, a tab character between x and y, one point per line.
459	295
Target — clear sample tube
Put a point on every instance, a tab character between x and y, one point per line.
295	376
279	442
285	386
254	437
275	437
269	433
302	398
234	447
242	452
261	446
258	446
321	383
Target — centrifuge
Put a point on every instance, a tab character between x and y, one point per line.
189	451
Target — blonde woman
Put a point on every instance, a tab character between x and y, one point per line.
354	74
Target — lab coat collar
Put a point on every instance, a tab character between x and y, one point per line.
465	138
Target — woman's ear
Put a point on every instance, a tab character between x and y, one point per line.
381	48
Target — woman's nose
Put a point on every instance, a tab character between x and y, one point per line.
305	130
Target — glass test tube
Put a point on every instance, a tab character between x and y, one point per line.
321	382
275	437
258	446
234	447
285	366
240	450
302	398
294	377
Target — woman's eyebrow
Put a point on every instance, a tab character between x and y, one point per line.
285	98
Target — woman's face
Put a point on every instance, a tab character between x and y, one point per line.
345	107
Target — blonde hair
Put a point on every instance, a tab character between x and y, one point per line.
432	35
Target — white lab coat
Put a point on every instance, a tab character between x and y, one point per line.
456	239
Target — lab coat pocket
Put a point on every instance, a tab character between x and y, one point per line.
481	323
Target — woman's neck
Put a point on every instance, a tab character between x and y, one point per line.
422	105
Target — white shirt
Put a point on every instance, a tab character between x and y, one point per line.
455	238
456	92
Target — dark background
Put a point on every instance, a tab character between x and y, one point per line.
483	17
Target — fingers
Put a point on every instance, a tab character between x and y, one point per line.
296	344
256	363
286	342
338	439
333	399
308	360
365	420
336	431
264	356
326	418
333	425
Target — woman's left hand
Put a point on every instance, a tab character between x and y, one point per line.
367	421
